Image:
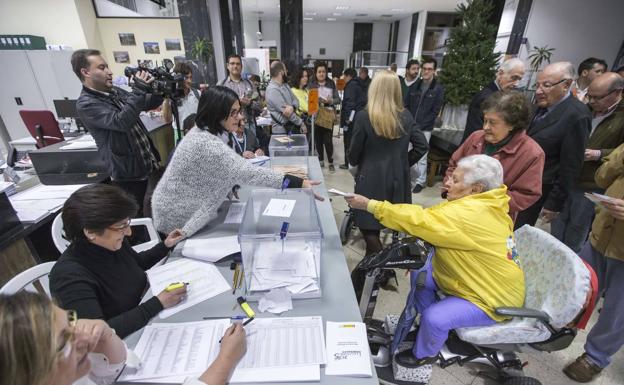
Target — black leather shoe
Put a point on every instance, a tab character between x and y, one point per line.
344	167
418	188
406	359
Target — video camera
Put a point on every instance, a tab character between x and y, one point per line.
165	84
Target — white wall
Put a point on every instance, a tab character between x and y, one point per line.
336	38
57	21
403	36
576	30
250	27
381	36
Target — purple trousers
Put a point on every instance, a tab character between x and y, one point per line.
437	318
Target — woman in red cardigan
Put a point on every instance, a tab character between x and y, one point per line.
506	117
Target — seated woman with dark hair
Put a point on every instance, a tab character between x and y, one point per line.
100	275
42	344
204	169
506	117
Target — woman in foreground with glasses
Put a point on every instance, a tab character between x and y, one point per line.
41	343
204	170
99	274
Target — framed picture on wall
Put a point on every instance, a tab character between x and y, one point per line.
121	56
173	45
151	47
127	39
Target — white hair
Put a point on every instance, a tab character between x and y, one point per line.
565	68
510	64
482	169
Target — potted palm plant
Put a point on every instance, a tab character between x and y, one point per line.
202	51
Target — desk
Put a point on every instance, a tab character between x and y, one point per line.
337	304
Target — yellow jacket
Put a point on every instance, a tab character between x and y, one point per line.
302	97
475	257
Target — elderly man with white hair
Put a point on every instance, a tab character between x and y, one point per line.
560	125
508	76
475	264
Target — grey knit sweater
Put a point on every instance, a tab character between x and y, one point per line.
201	173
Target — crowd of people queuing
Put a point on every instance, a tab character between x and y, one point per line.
519	162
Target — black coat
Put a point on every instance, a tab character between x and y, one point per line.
562	134
425	110
354	99
474	122
111	128
384	164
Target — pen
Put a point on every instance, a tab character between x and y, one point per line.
235	279
248	321
176	285
233	318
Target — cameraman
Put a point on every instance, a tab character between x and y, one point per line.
112	117
186	105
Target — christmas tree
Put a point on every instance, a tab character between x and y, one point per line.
470	61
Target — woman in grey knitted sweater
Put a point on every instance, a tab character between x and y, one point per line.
204	169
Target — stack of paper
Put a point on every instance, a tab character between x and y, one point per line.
204	282
210	249
7	187
39	201
348	353
292	267
278	349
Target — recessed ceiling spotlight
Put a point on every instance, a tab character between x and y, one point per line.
310	13
397	10
342	7
336	14
331	19
308	18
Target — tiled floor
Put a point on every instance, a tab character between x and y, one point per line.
546	367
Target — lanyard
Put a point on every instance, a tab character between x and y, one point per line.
237	142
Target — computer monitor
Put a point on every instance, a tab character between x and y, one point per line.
66	108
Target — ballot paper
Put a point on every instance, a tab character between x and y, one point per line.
205	281
279	208
598	198
274	345
235	213
348	353
211	249
284	139
276	301
338	192
293	268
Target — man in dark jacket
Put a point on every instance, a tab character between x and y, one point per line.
366	80
112	117
560	125
508	76
424	100
353	100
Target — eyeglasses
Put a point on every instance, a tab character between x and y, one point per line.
548	86
65	348
593	98
121	227
428	69
234	64
234	113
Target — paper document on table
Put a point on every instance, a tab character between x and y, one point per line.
79	145
205	281
47	192
279	208
235	213
47	205
176	349
307	373
348	353
211	249
259	160
31	215
274	345
9	187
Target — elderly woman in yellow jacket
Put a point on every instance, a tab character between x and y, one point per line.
475	264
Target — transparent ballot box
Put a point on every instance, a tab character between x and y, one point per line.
289	154
276	254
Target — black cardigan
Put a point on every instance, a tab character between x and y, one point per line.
103	284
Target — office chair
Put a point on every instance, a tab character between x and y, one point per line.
42	126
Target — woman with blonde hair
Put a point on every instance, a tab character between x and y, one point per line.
382	134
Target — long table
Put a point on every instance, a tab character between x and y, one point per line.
338	302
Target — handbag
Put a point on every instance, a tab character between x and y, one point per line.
325	118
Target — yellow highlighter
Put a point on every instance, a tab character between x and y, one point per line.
245	306
176	285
